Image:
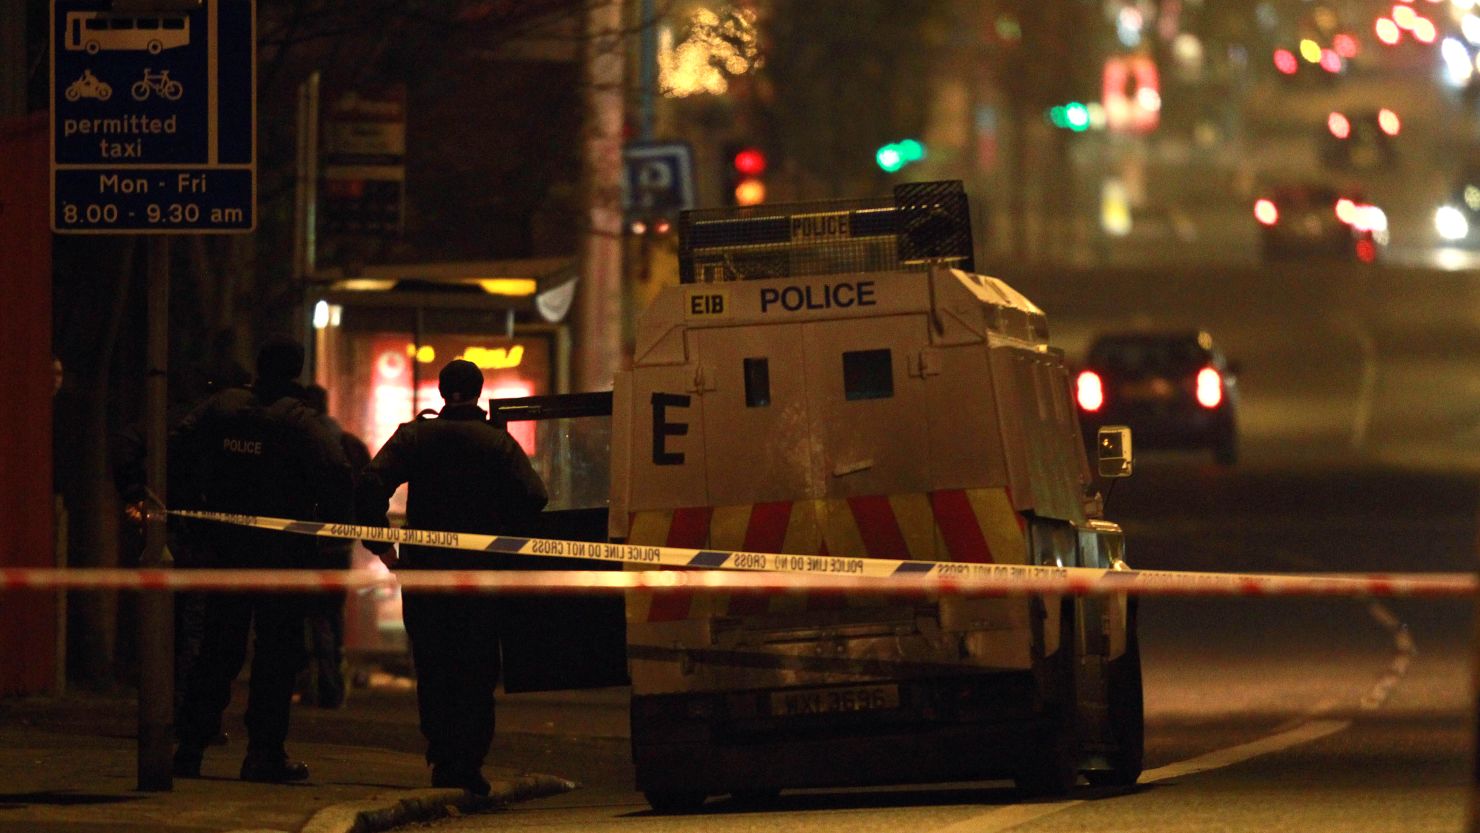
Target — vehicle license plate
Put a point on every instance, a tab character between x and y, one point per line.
1151	390
834	700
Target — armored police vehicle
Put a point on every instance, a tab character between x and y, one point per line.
835	380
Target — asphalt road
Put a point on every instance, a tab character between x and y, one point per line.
1319	715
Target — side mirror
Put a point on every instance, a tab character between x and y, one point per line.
1113	451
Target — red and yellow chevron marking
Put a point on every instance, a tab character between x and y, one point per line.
970	525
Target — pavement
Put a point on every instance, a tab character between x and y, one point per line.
69	765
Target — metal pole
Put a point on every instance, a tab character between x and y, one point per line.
647	68
156	608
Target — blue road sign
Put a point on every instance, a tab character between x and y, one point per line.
153	118
658	178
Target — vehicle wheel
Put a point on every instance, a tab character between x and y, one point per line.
1225	453
1127	714
674	801
155	47
72	94
756	798
92	47
140	90
1050	764
105	92
173	90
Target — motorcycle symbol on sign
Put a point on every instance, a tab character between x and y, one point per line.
89	86
157	83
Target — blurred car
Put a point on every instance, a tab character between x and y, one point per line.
1457	221
1319	221
1175	389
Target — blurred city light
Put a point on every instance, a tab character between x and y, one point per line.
1424	30
1148	99
1451	224
1266	212
1388	31
1089	391
1285	62
321	315
1470	26
750	192
1472	197
1128	25
1345	45
1346	211
1366	251
1339	126
717	47
1310	51
1209	387
1072	116
1457	66
1115	211
1389	122
896	155
1330	61
1404	16
889	158
1369	218
750	161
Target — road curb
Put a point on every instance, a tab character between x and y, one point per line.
388	812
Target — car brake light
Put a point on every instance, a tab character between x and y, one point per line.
1266	212
1209	387
1089	391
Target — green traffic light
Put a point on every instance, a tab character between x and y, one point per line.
1077	116
890	158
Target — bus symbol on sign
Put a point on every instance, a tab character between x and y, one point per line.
94	32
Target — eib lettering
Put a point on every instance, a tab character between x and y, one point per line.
707	304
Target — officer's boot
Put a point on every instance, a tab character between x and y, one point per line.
187	760
273	769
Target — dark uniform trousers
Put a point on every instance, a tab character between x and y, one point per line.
455	645
277	656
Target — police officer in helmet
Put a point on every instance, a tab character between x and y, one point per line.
465	474
255	451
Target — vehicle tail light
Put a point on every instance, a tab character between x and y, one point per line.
1209	387
1266	212
1088	391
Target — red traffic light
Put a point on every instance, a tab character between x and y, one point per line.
750	161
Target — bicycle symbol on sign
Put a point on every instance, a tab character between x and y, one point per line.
157	83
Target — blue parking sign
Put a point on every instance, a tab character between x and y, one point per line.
153	118
658	178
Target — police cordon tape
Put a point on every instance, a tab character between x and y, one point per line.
726	570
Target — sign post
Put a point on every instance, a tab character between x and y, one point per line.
154	131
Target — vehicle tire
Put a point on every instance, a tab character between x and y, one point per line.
1225	453
140	90
674	801
1050	764
764	797
1127	713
